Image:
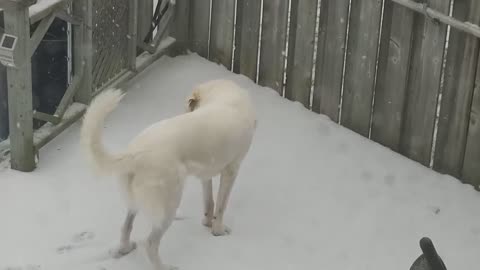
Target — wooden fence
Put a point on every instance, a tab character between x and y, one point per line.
394	71
111	44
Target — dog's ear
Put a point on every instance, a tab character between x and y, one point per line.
193	101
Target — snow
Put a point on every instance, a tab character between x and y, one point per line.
310	195
41	5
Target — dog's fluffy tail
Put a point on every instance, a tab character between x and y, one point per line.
91	134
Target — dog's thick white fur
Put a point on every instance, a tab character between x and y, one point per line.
211	138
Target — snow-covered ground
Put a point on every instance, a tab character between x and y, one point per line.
310	195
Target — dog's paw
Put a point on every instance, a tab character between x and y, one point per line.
220	229
207	222
123	250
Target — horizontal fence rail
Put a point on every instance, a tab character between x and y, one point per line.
403	73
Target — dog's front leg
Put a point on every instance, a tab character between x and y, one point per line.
227	179
208	203
126	246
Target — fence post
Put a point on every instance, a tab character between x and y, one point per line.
82	49
3	95
144	20
17	22
132	34
180	26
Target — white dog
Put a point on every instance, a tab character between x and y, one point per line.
211	138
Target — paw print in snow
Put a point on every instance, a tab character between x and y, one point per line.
27	267
83	236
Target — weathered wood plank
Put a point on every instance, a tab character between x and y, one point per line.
330	56
3	103
460	73
221	33
248	23
40	32
300	51
3	94
471	167
273	44
360	65
419	6
392	76
199	26
144	20
180	25
424	83
20	105
133	20
83	50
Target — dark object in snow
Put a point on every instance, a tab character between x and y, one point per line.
429	260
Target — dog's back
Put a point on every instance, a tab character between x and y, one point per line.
217	131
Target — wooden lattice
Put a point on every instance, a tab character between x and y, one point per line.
110	44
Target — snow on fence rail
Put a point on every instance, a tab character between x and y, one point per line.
402	73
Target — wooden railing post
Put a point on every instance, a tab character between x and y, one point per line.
144	20
17	23
180	26
82	49
132	34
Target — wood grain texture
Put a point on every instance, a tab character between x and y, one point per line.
3	95
273	41
330	56
221	34
300	51
471	167
248	24
20	105
423	87
144	20
180	26
83	55
199	26
360	65
460	73
392	77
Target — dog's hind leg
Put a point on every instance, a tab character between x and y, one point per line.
126	246
208	203
153	244
227	179
160	203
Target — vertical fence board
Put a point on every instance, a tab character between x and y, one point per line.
221	41
300	55
424	83
392	76
144	20
3	94
180	25
460	75
83	52
20	92
248	22
132	32
274	38
330	54
199	26
360	65
471	167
